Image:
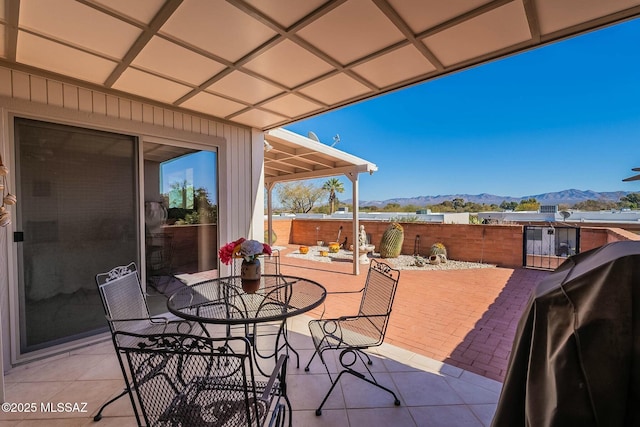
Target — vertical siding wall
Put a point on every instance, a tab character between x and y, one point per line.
47	99
43	98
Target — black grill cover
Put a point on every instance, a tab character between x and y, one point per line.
576	355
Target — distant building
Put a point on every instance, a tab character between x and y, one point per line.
625	219
420	216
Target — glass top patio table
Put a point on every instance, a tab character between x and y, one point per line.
222	300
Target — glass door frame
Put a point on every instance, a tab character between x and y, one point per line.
12	329
141	177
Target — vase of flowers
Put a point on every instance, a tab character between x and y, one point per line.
250	275
249	251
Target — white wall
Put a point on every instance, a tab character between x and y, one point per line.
240	154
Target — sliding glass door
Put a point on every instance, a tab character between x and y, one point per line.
181	210
77	216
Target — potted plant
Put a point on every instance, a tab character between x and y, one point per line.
249	251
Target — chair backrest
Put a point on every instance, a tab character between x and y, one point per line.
271	263
188	380
122	295
379	292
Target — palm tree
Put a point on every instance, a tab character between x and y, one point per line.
333	186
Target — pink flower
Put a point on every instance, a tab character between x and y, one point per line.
230	250
266	249
243	248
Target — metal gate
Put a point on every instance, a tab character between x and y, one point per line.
546	247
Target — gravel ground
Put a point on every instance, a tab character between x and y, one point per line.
403	262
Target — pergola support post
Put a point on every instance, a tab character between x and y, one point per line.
353	177
269	186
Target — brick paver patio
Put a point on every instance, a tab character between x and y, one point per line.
466	318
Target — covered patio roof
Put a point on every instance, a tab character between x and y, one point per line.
265	64
292	157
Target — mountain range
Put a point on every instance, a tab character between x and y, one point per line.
569	197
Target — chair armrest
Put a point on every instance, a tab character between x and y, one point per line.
356	317
280	366
336	327
338	293
133	319
159	320
346	292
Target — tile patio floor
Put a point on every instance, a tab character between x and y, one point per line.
445	354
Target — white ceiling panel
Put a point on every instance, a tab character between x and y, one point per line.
150	86
291	105
500	28
45	54
556	15
289	64
169	59
266	63
243	86
354	29
212	104
259	119
213	26
336	89
401	64
140	10
78	25
421	15
286	13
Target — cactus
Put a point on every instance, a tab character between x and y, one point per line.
438	249
392	239
274	236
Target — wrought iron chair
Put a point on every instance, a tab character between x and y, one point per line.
189	380
351	335
126	309
271	263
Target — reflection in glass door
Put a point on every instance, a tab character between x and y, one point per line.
181	202
77	217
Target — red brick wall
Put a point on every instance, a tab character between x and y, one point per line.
282	228
493	244
593	237
616	234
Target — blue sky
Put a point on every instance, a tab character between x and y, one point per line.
563	116
197	169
